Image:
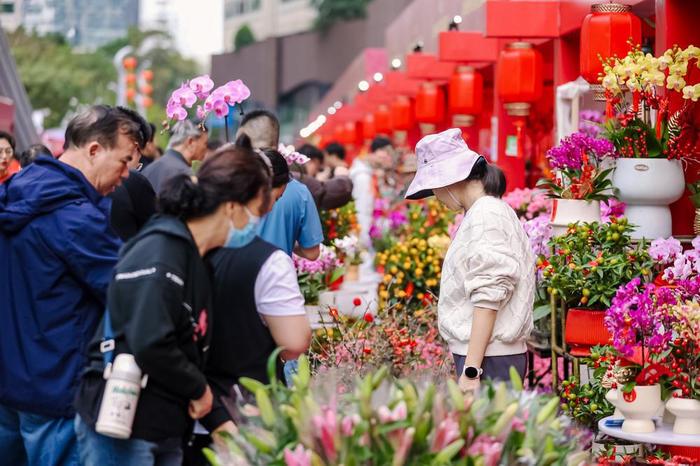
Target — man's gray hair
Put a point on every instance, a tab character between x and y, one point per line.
181	131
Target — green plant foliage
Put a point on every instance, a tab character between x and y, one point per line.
244	36
332	11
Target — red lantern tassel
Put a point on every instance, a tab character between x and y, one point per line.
519	124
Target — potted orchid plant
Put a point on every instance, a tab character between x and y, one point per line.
314	278
650	139
579	181
351	255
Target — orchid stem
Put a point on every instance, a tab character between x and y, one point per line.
226	127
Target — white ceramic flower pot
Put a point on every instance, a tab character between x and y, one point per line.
648	187
639	407
687	412
612	396
568	211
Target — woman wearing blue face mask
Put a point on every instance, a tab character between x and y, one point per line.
257	302
160	309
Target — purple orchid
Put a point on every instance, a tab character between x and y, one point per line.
570	152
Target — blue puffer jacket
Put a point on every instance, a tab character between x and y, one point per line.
57	254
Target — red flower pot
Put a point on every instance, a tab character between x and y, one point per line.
585	329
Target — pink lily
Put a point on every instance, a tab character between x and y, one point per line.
201	85
348	424
297	457
447	432
327	428
488	448
401	453
399	413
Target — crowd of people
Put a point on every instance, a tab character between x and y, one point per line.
183	259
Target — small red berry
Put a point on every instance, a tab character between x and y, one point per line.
368	317
356	302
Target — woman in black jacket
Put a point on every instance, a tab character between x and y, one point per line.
159	303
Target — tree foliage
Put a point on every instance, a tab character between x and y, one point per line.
244	36
59	78
332	11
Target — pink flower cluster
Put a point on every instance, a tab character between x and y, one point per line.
200	88
678	265
612	208
327	261
539	232
529	203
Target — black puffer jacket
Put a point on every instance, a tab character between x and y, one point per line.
158	302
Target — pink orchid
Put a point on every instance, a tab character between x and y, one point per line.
201	85
175	111
447	432
399	413
221	108
297	457
184	96
201	114
239	89
291	156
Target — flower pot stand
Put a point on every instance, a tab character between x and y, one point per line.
687	414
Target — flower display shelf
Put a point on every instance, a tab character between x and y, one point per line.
662	436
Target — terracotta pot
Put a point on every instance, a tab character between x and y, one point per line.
568	211
639	407
585	329
687	412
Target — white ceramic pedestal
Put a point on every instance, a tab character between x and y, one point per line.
687	414
648	187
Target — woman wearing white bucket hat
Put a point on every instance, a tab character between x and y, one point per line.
488	280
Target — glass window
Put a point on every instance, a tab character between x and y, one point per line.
7	7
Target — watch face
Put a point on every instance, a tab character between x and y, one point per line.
471	372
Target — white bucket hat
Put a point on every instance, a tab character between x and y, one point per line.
443	159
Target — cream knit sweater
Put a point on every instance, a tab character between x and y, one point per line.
489	265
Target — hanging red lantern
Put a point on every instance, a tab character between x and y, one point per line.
130	63
130	94
605	33
465	95
382	120
130	79
147	102
369	129
147	75
339	134
350	133
430	106
519	77
402	113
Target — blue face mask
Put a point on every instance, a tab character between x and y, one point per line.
238	238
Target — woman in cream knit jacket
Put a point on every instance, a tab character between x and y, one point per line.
487	287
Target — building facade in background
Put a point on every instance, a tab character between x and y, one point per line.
266	18
10	14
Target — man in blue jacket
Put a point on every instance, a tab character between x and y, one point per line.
57	253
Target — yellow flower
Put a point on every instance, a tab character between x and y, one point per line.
675	82
678	68
692	92
665	60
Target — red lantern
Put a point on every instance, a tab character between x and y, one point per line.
519	77
402	114
430	106
130	94
349	133
369	129
465	95
130	79
146	89
382	120
339	133
130	63
147	75
605	33
147	102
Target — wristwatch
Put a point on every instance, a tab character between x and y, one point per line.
472	372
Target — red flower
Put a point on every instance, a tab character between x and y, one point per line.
333	312
369	318
366	350
356	302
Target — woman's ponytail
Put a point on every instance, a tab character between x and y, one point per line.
182	197
492	178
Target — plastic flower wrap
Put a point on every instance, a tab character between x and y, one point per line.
377	420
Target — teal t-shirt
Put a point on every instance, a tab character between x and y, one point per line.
293	219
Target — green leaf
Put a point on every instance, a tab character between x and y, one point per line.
540	312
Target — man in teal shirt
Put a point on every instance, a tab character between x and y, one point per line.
293	225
